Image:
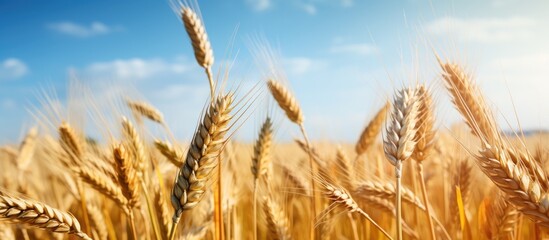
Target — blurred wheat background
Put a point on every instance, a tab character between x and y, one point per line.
241	146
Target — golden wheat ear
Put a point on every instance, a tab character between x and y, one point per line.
146	110
199	39
369	134
400	139
425	124
202	157
39	215
277	221
512	170
286	101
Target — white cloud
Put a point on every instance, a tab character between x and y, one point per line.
134	69
298	65
309	8
513	85
7	103
12	68
502	3
356	48
259	5
526	63
485	30
347	3
78	30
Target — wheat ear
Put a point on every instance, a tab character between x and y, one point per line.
199	39
424	144
146	110
514	172
341	197
104	185
345	171
286	101
501	218
126	176
74	148
171	153
26	149
39	215
469	101
260	162
369	134
277	221
400	139
202	157
136	146
289	104
70	142
161	208
98	221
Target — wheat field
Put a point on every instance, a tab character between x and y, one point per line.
404	178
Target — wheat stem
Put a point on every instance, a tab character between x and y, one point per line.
425	199
152	214
313	171
398	200
132	224
254	199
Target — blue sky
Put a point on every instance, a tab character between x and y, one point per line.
342	57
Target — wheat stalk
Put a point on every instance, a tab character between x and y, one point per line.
199	39
400	139
385	205
388	191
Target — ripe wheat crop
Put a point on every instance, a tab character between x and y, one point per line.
405	178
